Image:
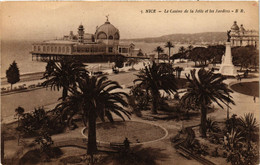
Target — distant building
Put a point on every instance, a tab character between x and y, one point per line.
104	45
242	37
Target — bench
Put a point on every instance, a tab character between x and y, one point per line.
117	146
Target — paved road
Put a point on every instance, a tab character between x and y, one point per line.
25	78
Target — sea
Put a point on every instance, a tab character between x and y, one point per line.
19	51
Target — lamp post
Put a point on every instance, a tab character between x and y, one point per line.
228	109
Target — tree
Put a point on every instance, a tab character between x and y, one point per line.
169	45
94	97
12	74
158	50
189	49
132	61
152	79
119	63
182	52
63	74
203	90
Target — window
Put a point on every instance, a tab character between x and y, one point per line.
39	48
116	36
63	49
110	49
48	48
110	37
44	49
34	48
102	35
51	49
87	50
55	49
67	49
59	49
120	50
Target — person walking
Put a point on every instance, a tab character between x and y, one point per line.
254	98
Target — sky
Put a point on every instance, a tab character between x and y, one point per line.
48	20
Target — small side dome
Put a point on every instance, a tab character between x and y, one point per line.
234	26
242	29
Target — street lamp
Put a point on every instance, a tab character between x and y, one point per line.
228	108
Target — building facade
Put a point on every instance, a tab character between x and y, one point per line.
103	45
242	37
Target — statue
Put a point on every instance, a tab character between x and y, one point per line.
107	17
228	34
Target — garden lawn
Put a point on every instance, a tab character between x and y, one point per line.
247	88
134	131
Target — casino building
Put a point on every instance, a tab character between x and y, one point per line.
242	37
104	45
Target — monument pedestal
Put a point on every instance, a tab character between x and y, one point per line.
227	68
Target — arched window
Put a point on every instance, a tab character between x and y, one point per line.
51	49
102	35
55	49
39	48
34	48
110	37
116	36
59	49
63	49
48	48
67	49
44	49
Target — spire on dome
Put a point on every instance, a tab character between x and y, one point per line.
107	22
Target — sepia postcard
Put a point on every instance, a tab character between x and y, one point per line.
130	83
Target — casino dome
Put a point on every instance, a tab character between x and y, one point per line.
107	31
234	26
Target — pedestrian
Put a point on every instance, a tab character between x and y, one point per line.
254	98
126	143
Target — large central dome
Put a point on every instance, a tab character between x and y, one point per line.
107	31
234	26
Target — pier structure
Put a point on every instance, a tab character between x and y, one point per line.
103	45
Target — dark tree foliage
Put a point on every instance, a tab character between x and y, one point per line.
119	63
169	45
95	97
245	56
63	74
12	74
204	89
153	79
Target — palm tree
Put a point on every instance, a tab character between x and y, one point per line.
248	126
159	50
94	97
152	79
189	49
169	45
182	51
204	89
63	74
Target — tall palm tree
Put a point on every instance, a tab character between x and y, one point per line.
152	79
204	89
182	51
169	45
63	74
94	97
158	50
189	49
